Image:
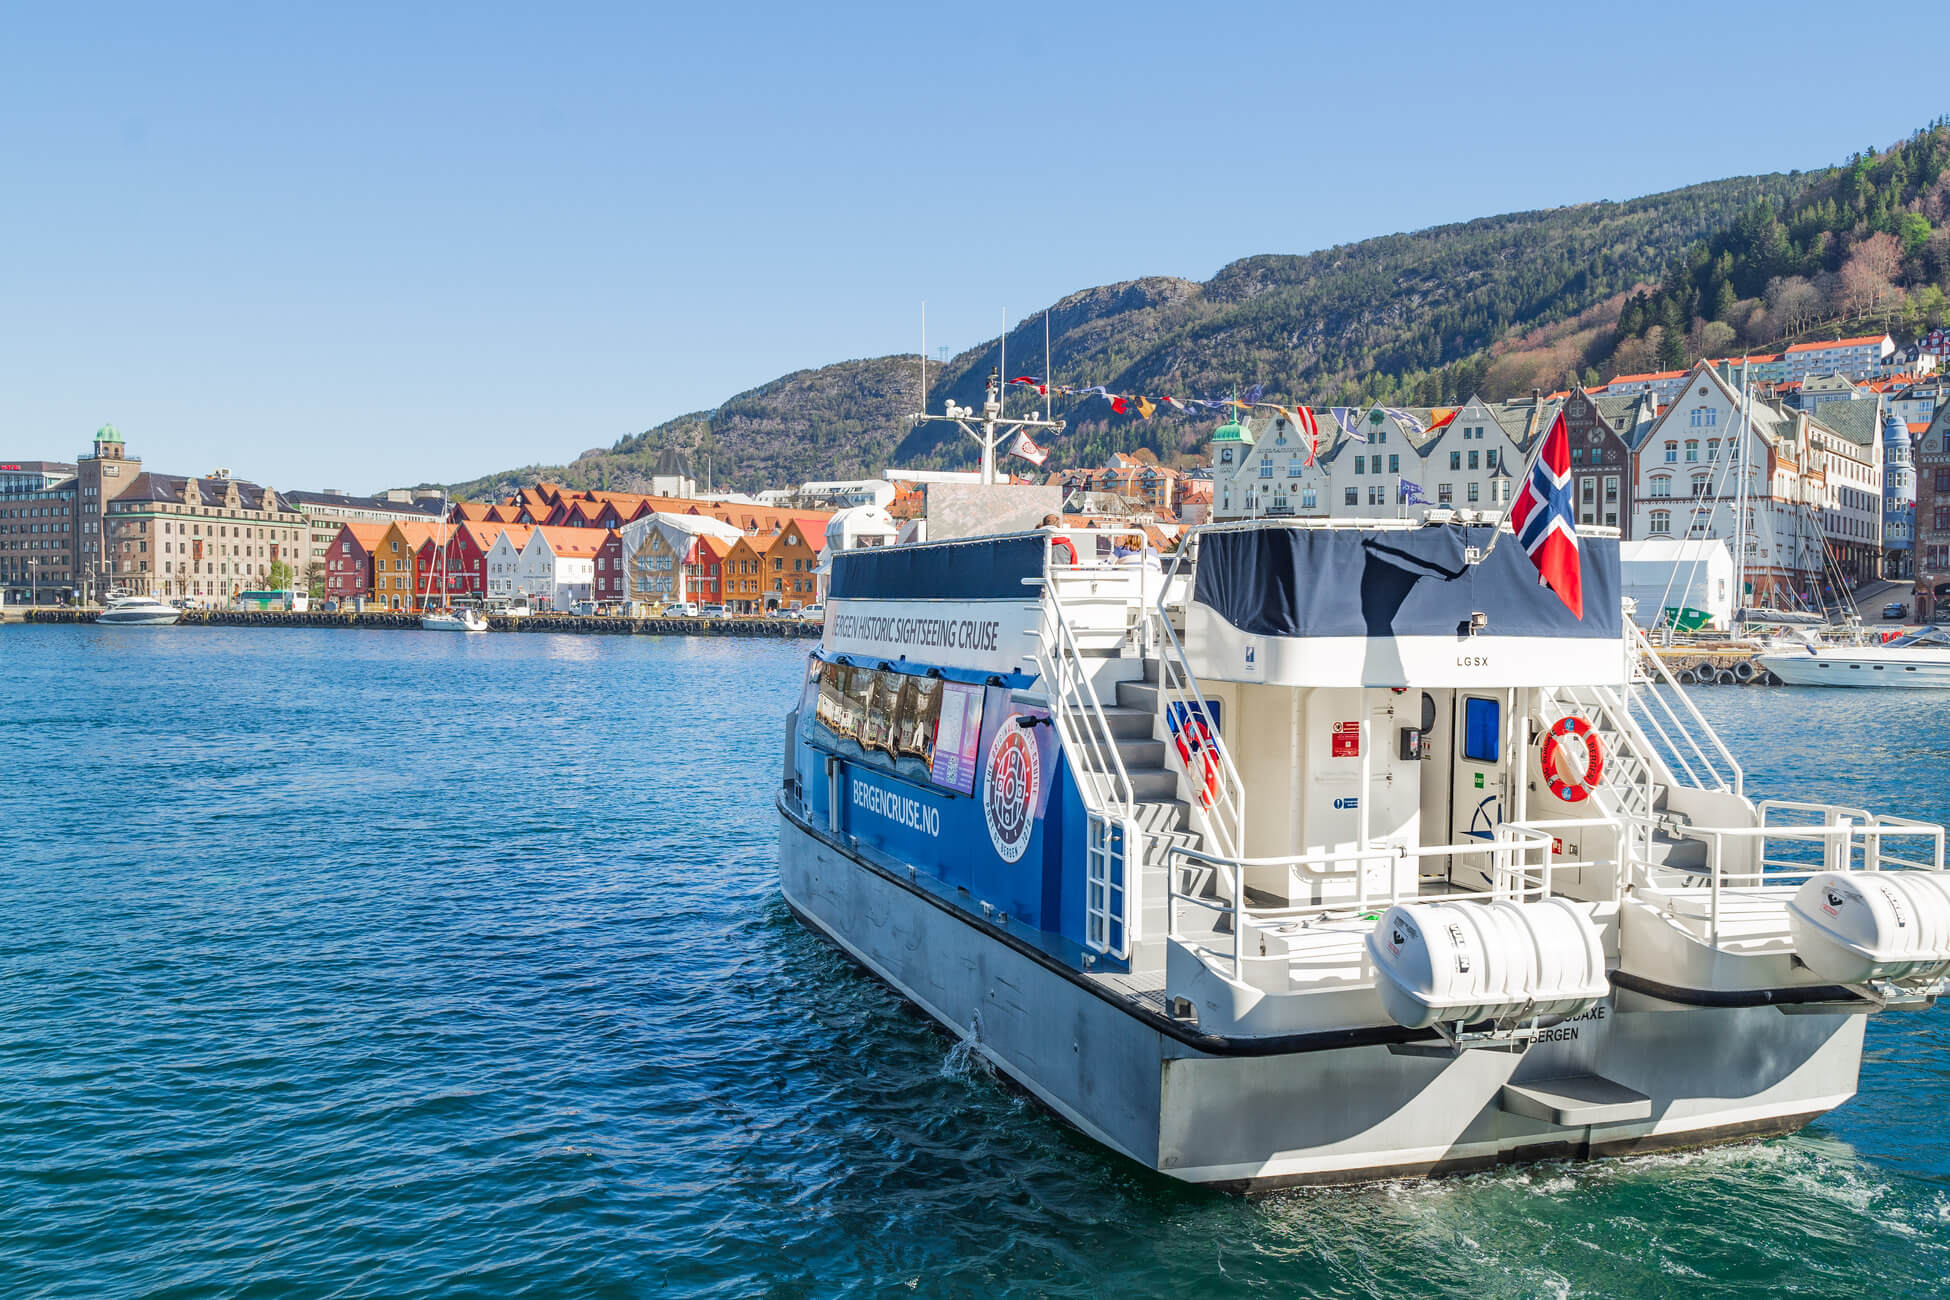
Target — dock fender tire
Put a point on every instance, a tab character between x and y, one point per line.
1686	677
1743	672
1725	677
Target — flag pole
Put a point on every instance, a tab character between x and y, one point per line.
1530	463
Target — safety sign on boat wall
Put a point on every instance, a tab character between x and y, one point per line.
1347	740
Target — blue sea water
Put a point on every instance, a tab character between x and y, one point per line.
390	964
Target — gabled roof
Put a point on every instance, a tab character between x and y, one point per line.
516	535
366	535
575	543
481	532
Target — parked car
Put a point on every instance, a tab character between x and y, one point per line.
710	611
686	610
813	611
1895	609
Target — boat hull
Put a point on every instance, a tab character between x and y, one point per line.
1841	668
1233	1115
145	618
444	623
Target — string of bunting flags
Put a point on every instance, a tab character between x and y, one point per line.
1346	418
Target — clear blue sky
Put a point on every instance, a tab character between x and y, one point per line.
386	243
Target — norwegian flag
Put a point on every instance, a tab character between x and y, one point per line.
1544	521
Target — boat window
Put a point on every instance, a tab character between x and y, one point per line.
1482	730
915	723
883	705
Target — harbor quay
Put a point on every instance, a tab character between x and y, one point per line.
590	624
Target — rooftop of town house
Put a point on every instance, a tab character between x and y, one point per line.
414	533
481	532
1650	377
366	535
211	492
475	510
1860	341
573	543
516	535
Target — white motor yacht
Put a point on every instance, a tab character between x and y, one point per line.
1915	659
138	611
454	620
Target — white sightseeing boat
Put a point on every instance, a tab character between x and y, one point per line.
138	611
1916	659
1338	850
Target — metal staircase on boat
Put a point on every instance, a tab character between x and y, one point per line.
1130	795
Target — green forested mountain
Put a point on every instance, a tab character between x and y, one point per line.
1864	247
1491	306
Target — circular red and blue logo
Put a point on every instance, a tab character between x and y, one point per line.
1014	778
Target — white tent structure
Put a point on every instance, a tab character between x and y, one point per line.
1693	576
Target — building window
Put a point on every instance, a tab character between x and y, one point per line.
1308	498
1472	458
1672	452
1360	464
1475	492
1444	494
1611	489
1266	469
1692	450
1394	464
1455	460
1662	521
1353	496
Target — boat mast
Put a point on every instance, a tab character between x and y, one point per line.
993	426
1741	451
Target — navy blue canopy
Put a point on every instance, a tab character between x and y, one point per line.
987	568
1318	582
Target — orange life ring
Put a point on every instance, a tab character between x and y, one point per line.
1575	791
1064	542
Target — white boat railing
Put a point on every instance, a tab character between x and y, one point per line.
1221	791
1522	869
1678	730
1778	855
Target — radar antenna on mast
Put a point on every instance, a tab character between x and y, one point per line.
992	427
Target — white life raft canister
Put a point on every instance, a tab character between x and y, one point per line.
1852	926
1472	961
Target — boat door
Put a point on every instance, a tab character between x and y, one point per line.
1478	787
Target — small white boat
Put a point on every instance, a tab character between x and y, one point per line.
1918	659
454	620
139	611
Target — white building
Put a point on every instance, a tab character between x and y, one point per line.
503	560
1661	573
1858	358
1468	463
1809	489
1662	384
557	566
